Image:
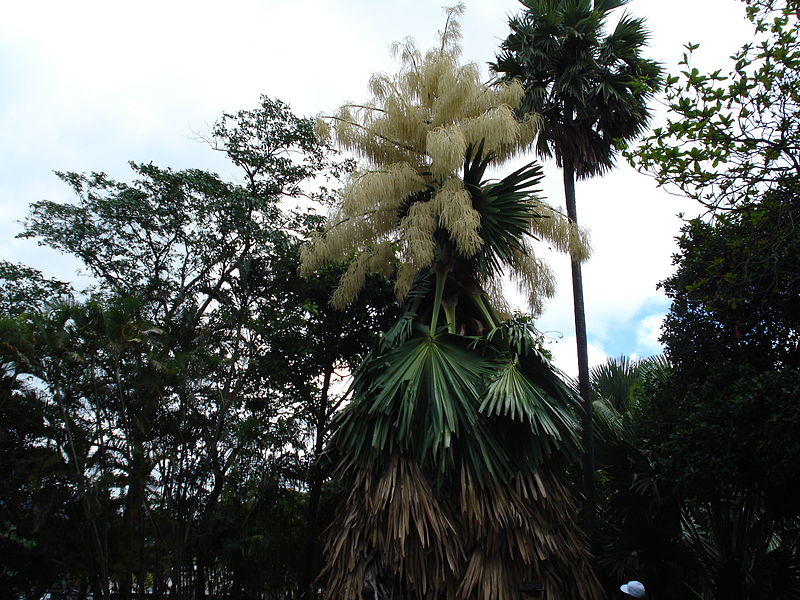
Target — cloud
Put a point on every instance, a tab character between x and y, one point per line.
565	354
649	331
633	228
89	85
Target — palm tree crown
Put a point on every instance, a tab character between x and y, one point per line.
590	89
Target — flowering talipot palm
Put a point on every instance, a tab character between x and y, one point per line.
454	448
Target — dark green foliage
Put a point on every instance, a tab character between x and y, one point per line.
736	289
720	428
23	289
716	442
682	507
183	400
435	398
725	458
733	334
639	533
39	539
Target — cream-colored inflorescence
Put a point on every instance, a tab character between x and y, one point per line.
414	136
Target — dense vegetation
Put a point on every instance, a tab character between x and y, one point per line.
183	428
167	424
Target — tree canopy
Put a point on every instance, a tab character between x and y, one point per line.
732	134
175	409
590	88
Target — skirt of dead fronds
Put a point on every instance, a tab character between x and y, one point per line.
396	533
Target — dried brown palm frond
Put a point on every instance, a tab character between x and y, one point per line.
516	529
392	527
482	543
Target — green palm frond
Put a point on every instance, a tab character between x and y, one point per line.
418	398
507	208
608	5
512	394
430	397
482	426
403	328
591	88
615	381
438	372
609	424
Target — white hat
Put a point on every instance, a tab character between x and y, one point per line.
633	588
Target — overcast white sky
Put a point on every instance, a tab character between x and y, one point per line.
88	85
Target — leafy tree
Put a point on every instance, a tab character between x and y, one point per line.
23	289
155	247
591	90
723	457
453	452
733	137
38	531
721	428
734	328
199	364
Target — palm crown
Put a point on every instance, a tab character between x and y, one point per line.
590	89
428	136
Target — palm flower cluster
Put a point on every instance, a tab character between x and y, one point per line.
427	136
453	451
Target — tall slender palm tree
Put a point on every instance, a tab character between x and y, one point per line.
591	90
453	451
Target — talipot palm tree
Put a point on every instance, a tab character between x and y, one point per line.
591	91
452	454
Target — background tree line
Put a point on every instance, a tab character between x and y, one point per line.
699	477
161	430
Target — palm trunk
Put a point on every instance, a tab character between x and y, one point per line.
584	384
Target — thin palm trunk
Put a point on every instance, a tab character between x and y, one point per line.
584	382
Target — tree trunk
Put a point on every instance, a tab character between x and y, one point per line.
200	578
310	567
584	384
